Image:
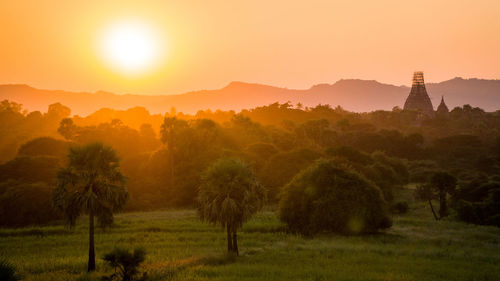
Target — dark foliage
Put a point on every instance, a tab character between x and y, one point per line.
8	271
389	148
478	201
332	197
229	196
45	146
386	172
31	169
400	207
282	167
421	171
90	184
351	154
440	186
444	184
125	264
24	203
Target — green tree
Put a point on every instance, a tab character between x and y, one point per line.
229	196
44	146
67	128
24	203
440	185
282	167
170	130
425	192
329	196
444	184
93	184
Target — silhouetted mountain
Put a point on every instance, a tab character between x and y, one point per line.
351	94
458	91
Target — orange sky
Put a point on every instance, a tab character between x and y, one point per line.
295	44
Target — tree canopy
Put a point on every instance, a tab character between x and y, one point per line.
329	196
229	195
91	183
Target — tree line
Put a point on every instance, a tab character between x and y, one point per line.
164	156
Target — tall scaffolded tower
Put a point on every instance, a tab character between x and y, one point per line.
418	99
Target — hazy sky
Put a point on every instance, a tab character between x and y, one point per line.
206	44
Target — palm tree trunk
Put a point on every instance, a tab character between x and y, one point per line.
229	240
235	243
432	209
91	266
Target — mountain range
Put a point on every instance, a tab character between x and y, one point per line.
351	94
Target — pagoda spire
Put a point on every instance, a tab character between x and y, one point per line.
442	108
418	99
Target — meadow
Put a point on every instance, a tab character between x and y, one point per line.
180	247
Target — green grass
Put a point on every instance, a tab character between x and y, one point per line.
180	247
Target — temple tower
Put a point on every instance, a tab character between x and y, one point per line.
418	99
442	108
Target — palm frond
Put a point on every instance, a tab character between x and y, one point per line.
92	181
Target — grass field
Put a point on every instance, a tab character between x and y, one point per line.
180	247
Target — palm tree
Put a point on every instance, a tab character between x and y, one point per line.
169	131
229	196
91	184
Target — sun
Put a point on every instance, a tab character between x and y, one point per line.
131	47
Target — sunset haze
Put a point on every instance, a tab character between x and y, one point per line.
293	44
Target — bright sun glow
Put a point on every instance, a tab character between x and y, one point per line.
131	47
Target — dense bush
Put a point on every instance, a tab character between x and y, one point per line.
478	201
331	197
400	207
30	169
24	203
8	272
281	168
386	172
401	174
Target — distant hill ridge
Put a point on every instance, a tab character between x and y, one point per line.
352	94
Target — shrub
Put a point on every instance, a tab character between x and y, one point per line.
331	197
494	220
282	167
24	203
478	202
384	177
469	212
400	207
8	271
125	264
401	174
30	169
386	172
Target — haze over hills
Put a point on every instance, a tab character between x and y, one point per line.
351	94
